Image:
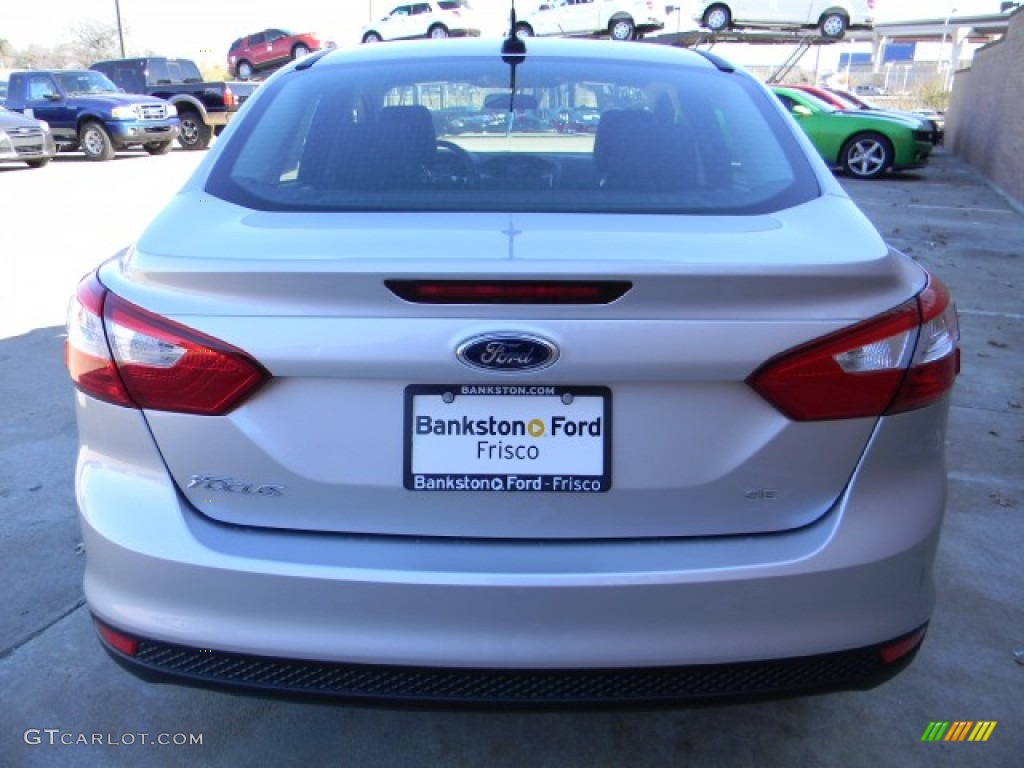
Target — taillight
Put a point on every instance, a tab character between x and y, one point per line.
229	97
904	359
86	352
122	354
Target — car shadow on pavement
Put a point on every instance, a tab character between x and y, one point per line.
78	157
40	548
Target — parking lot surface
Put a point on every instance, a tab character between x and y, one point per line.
65	703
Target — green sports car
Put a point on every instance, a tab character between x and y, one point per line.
864	145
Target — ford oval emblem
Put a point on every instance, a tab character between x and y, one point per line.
507	353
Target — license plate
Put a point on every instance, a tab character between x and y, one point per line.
507	438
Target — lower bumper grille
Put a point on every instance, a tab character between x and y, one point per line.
856	669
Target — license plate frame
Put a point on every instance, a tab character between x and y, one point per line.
507	438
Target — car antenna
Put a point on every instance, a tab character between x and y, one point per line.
513	52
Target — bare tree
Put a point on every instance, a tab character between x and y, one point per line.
40	57
92	41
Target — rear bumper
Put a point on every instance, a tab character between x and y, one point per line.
859	669
219	118
812	604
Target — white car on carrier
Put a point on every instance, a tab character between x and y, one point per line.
618	19
830	17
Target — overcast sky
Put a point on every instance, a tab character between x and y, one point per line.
203	29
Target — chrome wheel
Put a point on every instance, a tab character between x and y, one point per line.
195	134
867	156
622	29
717	18
833	25
95	142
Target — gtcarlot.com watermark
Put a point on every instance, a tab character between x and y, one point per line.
58	737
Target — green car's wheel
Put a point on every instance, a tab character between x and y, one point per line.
866	155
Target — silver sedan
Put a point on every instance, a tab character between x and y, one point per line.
512	416
25	140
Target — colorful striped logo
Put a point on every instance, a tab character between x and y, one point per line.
958	730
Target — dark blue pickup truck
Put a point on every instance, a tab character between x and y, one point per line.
86	111
204	107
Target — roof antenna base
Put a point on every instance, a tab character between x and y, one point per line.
513	48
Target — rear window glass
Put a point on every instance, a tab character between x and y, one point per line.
458	134
180	71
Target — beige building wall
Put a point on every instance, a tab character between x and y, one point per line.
985	119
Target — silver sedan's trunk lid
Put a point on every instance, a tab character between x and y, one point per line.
369	392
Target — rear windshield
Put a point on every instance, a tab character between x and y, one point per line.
163	71
552	135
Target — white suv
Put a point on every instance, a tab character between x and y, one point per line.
619	19
445	18
831	17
